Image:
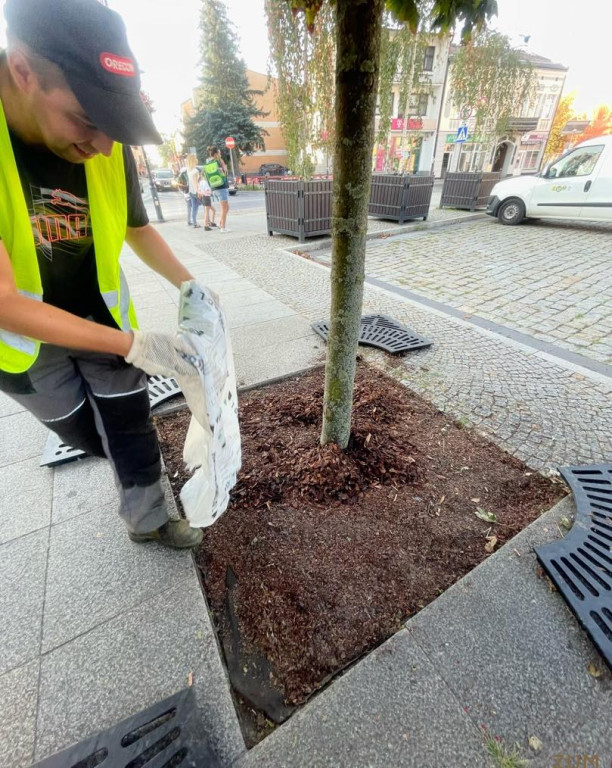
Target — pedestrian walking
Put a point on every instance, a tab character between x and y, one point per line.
216	175
183	185
70	351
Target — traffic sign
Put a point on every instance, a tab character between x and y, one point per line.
462	134
230	143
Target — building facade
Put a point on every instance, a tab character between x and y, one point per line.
518	152
265	102
412	136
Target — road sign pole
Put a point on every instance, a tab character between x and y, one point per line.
232	161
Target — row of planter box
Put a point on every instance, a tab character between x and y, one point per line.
304	208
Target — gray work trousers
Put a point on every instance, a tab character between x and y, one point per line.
100	404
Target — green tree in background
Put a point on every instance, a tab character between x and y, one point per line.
225	104
358	31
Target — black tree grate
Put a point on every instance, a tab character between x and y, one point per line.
382	332
580	565
166	735
55	452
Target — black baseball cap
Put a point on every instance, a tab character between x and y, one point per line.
88	42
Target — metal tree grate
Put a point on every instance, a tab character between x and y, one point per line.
382	332
161	389
167	735
580	565
55	452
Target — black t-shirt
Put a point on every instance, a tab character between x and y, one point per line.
55	191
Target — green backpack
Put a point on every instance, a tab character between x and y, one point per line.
214	174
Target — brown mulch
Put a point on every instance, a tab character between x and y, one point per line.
332	551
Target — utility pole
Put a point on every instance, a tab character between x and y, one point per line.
154	195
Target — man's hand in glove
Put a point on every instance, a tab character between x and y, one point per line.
161	354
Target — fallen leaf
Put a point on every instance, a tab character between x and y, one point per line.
491	542
190	679
566	523
593	671
488	517
535	743
476	500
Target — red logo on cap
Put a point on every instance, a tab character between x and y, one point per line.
117	65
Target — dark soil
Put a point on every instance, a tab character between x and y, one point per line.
322	554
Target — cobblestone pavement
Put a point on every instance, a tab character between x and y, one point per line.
548	280
545	413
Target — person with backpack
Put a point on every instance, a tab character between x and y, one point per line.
215	171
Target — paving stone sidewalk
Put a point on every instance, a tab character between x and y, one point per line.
95	628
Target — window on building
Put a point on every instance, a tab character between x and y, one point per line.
530	159
428	60
419	104
549	105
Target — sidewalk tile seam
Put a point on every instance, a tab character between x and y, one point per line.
182	581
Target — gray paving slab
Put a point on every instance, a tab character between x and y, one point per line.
287	357
392	709
271	333
95	572
21	437
19	697
257	313
23	564
82	486
131	662
8	406
25	503
515	657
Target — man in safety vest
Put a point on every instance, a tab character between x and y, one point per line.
69	199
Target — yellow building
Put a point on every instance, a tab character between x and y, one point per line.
274	151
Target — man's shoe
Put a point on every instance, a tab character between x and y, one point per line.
212	224
207	229
174	533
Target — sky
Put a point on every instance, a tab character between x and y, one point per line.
164	37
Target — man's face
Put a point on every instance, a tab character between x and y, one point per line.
64	127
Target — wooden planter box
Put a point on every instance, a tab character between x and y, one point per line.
299	208
468	190
400	198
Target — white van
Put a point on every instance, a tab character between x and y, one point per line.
577	186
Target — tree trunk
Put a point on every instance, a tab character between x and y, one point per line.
358	36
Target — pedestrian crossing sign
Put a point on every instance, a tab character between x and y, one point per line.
462	134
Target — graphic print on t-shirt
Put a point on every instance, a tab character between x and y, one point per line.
60	222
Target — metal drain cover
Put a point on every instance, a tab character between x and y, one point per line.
382	332
161	388
167	735
580	565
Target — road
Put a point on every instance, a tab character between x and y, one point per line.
173	204
549	280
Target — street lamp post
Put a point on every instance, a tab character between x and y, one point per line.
154	195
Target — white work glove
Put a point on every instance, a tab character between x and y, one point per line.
161	354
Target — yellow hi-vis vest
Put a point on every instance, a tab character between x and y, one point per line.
106	188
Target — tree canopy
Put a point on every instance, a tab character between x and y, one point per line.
225	105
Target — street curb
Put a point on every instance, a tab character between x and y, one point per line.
326	244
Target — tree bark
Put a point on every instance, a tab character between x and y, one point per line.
358	37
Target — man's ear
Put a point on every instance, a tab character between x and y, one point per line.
21	70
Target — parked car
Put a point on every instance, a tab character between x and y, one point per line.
272	169
577	186
164	179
